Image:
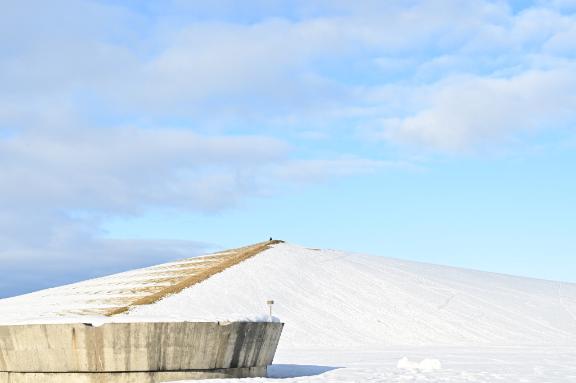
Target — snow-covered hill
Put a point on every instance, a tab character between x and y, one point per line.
332	299
349	317
329	299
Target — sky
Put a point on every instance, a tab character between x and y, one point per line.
138	132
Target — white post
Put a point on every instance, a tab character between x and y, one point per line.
270	303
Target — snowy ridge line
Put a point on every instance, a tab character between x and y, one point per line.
118	293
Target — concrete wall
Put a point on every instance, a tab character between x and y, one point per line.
136	347
129	377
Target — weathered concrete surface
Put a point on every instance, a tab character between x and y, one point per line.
129	377
139	347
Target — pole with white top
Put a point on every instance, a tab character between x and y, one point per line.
270	303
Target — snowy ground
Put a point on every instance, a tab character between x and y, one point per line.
543	364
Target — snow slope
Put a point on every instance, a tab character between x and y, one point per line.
335	300
94	299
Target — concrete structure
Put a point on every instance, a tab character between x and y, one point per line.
135	352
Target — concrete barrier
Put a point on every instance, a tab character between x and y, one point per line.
129	377
135	352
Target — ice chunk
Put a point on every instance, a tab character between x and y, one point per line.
430	365
424	365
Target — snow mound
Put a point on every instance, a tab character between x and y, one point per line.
424	365
332	299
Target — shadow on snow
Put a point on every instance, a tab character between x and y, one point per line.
296	370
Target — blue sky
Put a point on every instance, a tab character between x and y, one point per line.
132	133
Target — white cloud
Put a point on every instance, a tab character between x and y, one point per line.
463	113
126	168
564	5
